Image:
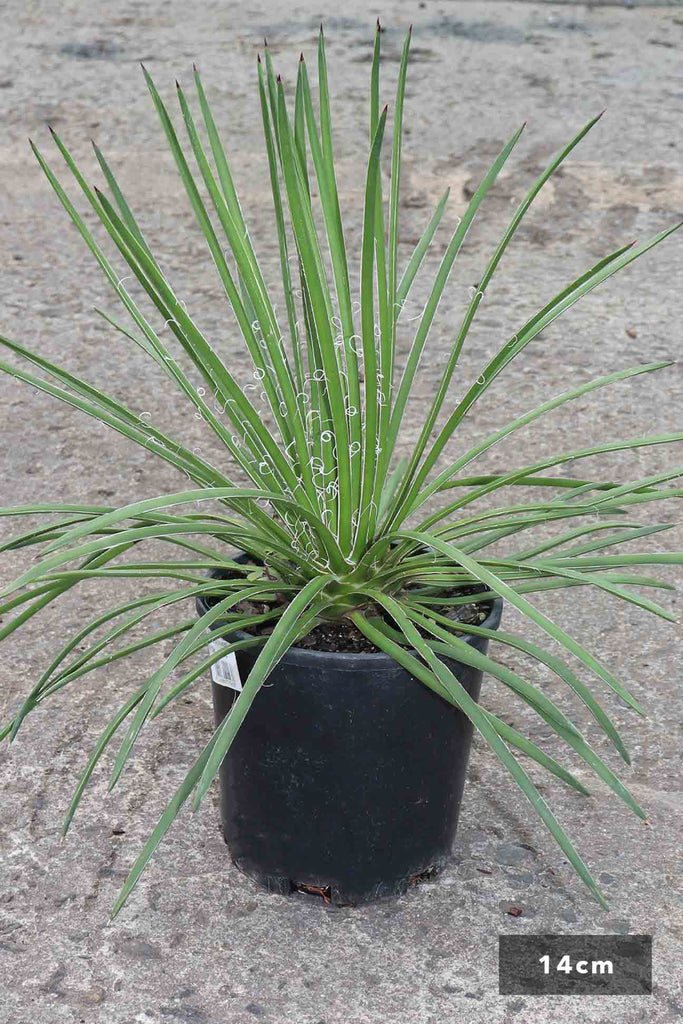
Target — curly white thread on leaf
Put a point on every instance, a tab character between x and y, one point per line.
323	472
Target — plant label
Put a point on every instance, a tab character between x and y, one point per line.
225	672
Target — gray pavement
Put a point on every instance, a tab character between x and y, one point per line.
198	943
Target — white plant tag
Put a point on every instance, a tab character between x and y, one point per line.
225	672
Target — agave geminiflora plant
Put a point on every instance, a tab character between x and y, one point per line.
335	525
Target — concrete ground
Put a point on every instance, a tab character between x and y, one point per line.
198	943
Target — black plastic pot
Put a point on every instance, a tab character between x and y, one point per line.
347	774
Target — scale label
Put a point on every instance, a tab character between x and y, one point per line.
609	965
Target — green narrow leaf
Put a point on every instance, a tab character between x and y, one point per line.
371	420
556	665
437	670
517	601
419	252
277	643
439	284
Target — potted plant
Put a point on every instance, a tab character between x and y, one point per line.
346	597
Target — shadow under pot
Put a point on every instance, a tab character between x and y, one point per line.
346	777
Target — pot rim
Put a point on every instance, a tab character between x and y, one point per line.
348	659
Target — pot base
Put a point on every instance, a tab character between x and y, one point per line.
332	893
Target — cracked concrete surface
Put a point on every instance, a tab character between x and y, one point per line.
198	943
